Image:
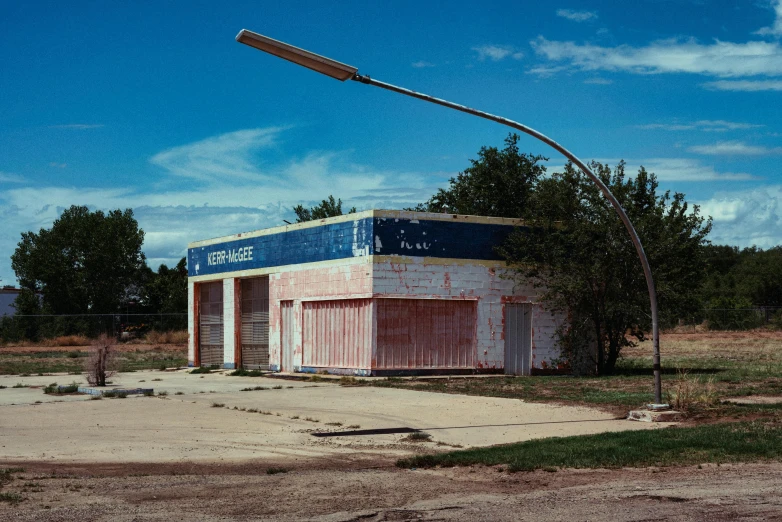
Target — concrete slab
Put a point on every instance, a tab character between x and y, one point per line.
275	422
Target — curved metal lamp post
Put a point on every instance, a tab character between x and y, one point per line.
342	72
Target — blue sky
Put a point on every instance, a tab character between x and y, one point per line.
154	106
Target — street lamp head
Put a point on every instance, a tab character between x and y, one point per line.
316	62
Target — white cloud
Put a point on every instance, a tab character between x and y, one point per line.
746	218
776	28
744	85
78	126
496	53
672	169
227	156
7	177
683	169
702	125
420	64
228	193
577	16
598	81
735	148
722	59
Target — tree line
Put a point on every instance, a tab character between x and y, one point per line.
89	263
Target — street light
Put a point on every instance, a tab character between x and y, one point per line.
342	72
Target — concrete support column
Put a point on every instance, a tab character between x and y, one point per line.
191	324
298	338
229	323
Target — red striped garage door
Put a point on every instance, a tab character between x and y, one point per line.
337	334
425	334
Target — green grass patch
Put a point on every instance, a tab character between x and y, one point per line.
11	498
714	443
55	389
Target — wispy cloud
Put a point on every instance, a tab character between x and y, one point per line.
685	169
744	85
735	148
776	28
673	170
57	165
702	125
7	177
227	192
746	218
722	59
421	64
577	16
78	126
228	156
496	53
598	81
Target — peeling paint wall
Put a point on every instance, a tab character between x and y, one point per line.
351	279
191	337
405	277
229	323
373	254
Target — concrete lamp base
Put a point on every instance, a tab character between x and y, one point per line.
655	416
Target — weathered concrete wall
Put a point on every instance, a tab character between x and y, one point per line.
463	279
229	323
191	347
345	279
368	255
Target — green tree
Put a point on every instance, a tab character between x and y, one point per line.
85	263
499	183
165	292
327	208
580	256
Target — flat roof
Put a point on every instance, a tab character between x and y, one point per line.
374	213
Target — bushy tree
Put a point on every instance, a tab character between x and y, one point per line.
578	252
327	208
499	183
84	263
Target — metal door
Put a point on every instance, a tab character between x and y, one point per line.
425	334
286	335
337	334
210	324
255	322
518	338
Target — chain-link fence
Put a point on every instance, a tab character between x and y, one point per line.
736	318
17	328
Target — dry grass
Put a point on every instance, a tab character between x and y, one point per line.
688	393
175	337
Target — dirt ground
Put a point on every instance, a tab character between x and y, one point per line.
256	456
357	489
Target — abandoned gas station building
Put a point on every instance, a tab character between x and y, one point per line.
379	292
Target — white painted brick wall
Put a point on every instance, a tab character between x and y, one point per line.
191	347
489	287
229	324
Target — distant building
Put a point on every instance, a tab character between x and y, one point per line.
7	299
380	292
